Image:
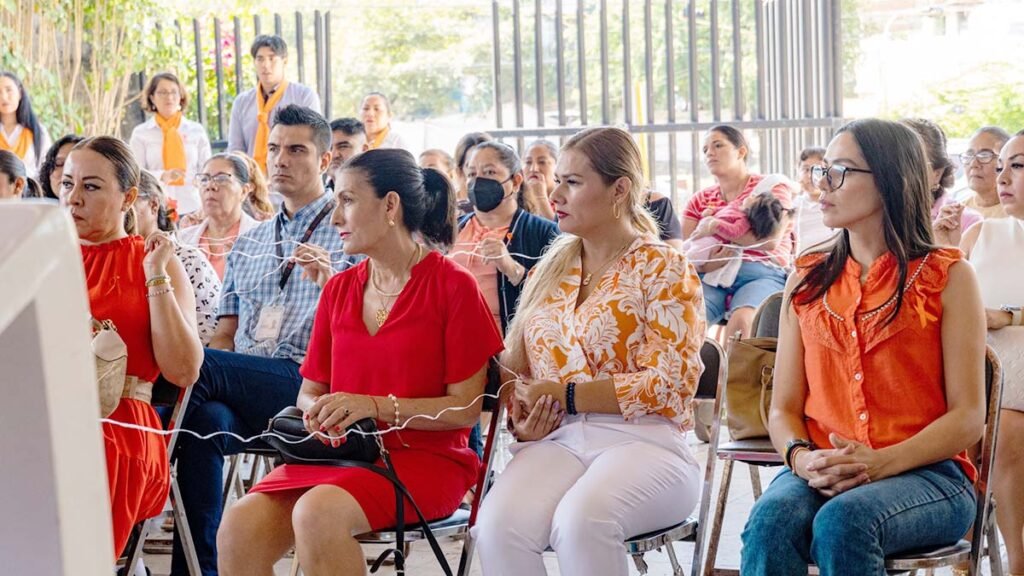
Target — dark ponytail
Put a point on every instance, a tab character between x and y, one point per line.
428	203
14	168
439	223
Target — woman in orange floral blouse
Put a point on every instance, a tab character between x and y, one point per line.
607	343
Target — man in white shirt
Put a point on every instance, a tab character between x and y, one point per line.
253	109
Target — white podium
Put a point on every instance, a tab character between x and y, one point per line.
54	505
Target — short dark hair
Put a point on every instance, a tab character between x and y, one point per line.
812	152
49	163
147	94
14	168
349	126
272	41
295	115
765	216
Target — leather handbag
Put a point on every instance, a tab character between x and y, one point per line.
748	392
287	434
111	354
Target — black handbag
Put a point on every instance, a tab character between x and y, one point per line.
287	434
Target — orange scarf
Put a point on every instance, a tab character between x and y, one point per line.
20	147
174	146
263	109
379	139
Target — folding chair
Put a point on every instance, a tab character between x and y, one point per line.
984	529
133	551
458	524
754	452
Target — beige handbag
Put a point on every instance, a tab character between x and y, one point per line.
748	392
111	364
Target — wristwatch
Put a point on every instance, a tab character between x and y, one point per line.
791	447
1014	311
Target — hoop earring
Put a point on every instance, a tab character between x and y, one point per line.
617	211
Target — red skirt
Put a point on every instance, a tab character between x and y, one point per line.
437	485
138	473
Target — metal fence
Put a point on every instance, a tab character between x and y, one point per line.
792	99
667	70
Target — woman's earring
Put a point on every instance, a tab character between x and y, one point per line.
617	211
391	222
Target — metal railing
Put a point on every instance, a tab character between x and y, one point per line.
793	45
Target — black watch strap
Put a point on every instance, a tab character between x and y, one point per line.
792	446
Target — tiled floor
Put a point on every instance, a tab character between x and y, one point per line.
422	562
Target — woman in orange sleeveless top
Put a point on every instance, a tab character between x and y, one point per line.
142	287
879	378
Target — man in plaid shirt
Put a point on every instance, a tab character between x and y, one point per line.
272	284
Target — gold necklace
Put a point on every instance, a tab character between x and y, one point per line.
589	277
382	313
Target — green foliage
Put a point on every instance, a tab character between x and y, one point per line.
961	110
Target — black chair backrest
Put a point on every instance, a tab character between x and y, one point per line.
712	359
766	321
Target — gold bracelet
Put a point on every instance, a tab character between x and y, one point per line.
160	292
157	281
398	416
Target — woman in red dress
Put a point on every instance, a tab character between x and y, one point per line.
142	287
404	337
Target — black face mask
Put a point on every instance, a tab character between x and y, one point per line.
486	194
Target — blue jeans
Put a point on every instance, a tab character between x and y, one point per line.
235	393
754	283
792	525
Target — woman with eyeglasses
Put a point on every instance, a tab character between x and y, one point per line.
979	163
224	184
168	145
764	262
879	376
949	218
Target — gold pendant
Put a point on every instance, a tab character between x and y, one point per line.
382	317
586	279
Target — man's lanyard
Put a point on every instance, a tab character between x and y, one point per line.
290	266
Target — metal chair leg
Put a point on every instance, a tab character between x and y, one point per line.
181	524
677	569
716	525
755	480
135	544
466	559
995	560
640	563
232	478
295	570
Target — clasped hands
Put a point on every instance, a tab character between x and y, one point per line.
331	414
833	471
536	408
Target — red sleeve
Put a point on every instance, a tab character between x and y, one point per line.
470	336
781	191
317	364
695	207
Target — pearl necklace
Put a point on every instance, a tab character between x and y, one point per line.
880	309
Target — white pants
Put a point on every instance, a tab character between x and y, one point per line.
582	491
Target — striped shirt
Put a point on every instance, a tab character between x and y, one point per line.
254	270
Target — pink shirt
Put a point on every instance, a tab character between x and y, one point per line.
486	273
711	197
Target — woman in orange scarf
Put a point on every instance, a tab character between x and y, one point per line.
20	130
172	148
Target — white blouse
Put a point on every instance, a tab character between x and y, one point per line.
147	143
31	160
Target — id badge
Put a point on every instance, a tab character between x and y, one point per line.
269	326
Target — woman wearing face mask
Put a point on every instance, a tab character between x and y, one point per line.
376	115
499	242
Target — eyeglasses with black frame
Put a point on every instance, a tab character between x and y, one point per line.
835	174
983	156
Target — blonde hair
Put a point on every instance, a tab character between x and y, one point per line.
613	154
259	198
